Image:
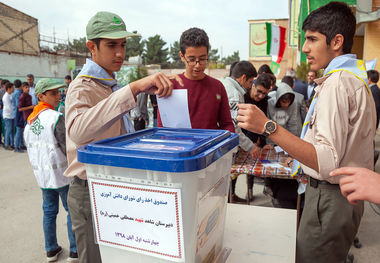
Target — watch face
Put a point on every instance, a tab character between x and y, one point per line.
270	127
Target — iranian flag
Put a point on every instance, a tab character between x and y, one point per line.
276	41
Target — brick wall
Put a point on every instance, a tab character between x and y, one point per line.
13	22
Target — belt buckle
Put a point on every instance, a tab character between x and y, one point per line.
313	182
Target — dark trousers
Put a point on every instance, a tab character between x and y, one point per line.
81	217
328	225
139	124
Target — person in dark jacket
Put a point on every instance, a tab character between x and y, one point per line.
373	78
257	95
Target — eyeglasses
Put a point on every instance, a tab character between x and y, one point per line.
193	61
262	93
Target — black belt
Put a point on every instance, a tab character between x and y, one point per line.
315	183
80	181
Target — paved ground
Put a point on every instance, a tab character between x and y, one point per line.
21	236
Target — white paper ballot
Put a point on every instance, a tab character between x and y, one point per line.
278	149
174	110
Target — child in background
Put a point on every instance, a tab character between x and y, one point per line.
283	110
25	102
18	121
207	97
45	136
8	116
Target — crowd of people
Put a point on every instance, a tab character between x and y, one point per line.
335	132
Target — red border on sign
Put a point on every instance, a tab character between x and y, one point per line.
139	189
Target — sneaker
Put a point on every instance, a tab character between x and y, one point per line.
23	148
18	150
53	255
8	148
73	257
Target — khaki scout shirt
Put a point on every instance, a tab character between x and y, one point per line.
93	112
342	127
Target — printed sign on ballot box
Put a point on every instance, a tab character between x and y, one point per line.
143	219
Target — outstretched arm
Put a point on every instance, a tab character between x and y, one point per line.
253	119
359	184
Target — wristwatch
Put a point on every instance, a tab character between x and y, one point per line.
270	127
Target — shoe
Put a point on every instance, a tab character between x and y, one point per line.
73	257
267	191
8	148
237	199
23	148
18	150
12	147
52	256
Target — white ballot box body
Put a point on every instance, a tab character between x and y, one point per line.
160	195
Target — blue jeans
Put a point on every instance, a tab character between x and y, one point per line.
1	127
50	207
18	137
9	132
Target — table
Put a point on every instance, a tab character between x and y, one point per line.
262	167
245	164
260	234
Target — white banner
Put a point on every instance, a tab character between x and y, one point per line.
143	219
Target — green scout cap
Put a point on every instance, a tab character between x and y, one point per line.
107	25
47	84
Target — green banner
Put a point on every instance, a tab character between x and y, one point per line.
257	40
70	64
275	67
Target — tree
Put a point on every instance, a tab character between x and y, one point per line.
154	52
134	46
213	55
230	59
78	45
174	55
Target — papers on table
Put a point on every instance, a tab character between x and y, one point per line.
174	110
278	149
275	165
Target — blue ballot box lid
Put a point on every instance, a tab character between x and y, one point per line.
161	149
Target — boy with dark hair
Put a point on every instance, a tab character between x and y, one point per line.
2	92
207	97
19	121
338	131
8	115
25	102
373	78
236	86
257	95
45	137
95	109
298	101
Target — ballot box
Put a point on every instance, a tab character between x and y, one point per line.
159	195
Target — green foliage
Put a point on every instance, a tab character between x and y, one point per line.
134	46
77	45
175	57
302	71
230	59
154	52
213	55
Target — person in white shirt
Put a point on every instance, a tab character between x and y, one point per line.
8	116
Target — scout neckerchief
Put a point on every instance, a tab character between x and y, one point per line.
96	72
40	107
347	63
